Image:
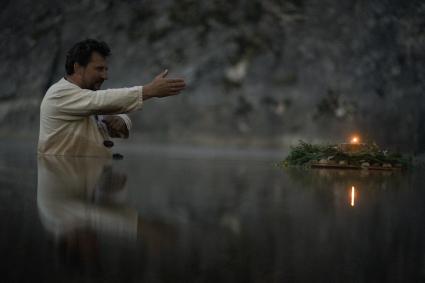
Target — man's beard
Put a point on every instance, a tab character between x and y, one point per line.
95	86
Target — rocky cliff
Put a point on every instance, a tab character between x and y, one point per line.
263	72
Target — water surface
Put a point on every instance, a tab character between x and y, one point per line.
184	214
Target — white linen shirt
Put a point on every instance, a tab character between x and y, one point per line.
67	126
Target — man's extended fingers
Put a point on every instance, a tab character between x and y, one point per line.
175	80
182	85
176	83
176	89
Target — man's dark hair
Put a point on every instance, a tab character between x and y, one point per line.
81	52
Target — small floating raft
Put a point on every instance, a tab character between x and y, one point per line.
357	156
354	167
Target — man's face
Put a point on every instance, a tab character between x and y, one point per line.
95	73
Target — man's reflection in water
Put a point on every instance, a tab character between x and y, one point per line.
80	199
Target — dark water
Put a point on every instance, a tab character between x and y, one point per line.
187	215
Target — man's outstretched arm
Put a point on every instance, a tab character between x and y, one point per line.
85	102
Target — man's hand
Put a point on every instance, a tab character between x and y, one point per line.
162	87
116	126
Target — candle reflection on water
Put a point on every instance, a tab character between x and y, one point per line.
353	195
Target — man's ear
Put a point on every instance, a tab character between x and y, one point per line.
78	69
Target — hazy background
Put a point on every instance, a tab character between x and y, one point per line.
260	73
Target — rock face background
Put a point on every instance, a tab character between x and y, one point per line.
259	72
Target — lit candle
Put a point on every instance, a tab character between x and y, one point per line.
355	140
353	146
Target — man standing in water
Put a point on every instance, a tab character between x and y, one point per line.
77	118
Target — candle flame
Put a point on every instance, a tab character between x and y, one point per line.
353	194
355	139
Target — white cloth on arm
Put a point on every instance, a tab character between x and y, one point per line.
127	120
124	117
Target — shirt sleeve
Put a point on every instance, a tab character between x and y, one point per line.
84	102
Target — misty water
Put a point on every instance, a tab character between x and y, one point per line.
187	214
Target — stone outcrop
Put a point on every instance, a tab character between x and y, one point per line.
263	72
